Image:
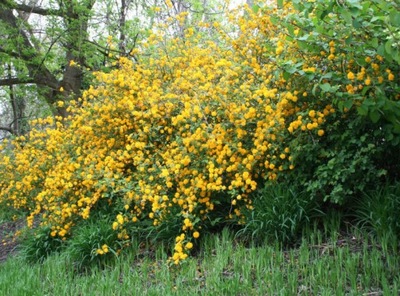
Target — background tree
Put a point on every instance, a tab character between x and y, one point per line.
51	47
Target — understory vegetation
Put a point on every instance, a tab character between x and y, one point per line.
258	155
327	261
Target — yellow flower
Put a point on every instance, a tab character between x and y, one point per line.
189	245
104	248
321	132
120	219
164	173
391	77
169	3
350	75
196	234
187	222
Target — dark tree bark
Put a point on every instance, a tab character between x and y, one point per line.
76	33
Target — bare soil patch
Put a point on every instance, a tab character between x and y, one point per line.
8	242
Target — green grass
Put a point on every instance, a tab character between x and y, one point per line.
355	265
331	257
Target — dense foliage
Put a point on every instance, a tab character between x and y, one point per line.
180	138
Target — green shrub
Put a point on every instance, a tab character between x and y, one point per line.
350	159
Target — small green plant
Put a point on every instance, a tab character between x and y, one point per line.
37	244
279	214
94	243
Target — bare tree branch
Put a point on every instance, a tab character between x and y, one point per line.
14	81
7	129
31	9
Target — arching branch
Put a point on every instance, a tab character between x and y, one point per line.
31	9
7	129
14	81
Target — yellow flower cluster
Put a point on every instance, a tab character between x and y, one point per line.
103	250
189	127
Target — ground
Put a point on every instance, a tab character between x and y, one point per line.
8	243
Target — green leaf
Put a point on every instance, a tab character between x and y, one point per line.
395	18
326	87
396	55
365	89
286	75
354	5
304	37
362	110
290	29
314	89
348	104
275	20
374	115
324	14
349	40
374	42
303	45
255	8
356	24
346	16
326	76
381	49
340	106
388	47
396	140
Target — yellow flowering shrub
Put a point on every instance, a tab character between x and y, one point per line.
183	135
